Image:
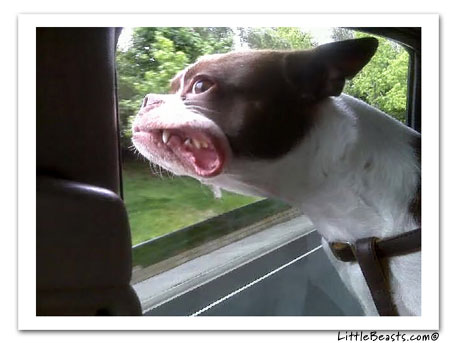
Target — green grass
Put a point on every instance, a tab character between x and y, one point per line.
172	244
158	205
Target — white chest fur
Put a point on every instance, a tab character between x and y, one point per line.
354	175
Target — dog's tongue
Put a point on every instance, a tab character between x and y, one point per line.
198	154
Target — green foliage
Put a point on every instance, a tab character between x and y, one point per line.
155	56
383	81
166	62
280	38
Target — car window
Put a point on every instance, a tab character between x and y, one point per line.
176	219
147	58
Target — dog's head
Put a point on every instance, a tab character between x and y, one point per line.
251	104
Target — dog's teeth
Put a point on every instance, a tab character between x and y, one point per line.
165	136
187	142
204	144
196	143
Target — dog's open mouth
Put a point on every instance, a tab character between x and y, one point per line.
193	149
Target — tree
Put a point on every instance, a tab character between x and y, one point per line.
280	38
341	33
383	81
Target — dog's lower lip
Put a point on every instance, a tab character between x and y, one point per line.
195	149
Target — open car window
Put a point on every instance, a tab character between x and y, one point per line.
187	241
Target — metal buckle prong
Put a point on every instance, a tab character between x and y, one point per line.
344	251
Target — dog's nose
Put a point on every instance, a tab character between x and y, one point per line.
152	100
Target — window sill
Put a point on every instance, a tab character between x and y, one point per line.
221	257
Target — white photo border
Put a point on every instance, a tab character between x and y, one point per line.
27	319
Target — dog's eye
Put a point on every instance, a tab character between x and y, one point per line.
201	86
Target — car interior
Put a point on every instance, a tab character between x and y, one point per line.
84	263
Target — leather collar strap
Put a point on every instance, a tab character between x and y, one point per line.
368	252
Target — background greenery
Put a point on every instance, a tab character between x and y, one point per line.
157	205
383	81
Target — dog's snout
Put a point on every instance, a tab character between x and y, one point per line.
152	100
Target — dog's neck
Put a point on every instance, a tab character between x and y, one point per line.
355	174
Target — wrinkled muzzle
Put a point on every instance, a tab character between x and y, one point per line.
182	141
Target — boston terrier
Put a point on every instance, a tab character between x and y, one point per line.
276	124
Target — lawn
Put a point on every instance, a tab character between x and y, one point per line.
157	205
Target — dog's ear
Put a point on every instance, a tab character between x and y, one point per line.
322	71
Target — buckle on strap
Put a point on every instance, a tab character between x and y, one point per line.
343	251
404	243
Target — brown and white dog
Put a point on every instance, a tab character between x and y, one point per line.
275	124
